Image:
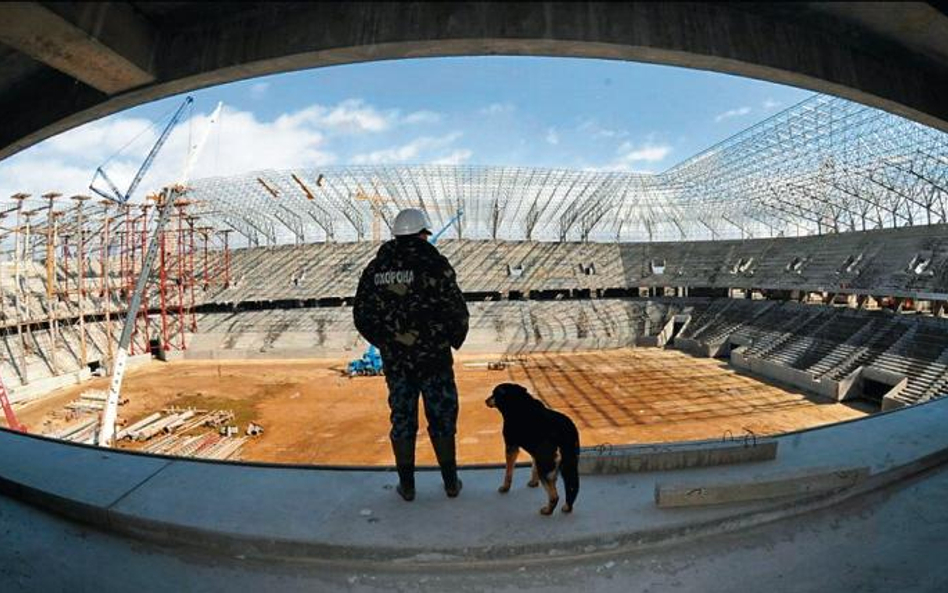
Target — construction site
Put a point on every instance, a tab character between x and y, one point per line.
644	322
314	415
746	322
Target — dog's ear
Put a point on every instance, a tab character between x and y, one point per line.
519	391
504	393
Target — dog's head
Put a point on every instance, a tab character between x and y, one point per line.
508	396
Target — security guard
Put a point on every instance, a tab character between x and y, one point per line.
409	305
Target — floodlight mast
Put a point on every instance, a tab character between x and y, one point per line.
112	192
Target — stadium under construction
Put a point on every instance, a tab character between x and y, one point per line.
790	277
827	201
753	343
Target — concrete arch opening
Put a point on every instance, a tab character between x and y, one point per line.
66	64
69	63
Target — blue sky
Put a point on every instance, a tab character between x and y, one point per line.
545	112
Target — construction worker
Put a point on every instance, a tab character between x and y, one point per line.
409	305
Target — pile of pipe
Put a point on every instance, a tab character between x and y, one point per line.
84	431
166	434
92	400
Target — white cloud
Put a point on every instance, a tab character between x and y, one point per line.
649	153
592	128
240	143
497	109
630	157
422	117
259	90
408	153
732	113
456	157
771	104
101	139
40	175
552	137
349	116
354	116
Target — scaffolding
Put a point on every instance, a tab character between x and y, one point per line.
68	266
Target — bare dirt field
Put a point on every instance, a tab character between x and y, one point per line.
312	414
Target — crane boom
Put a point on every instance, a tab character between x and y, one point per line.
113	192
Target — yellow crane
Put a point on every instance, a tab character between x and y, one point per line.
375	200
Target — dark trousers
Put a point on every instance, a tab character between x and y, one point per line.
440	395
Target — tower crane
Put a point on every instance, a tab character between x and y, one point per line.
375	202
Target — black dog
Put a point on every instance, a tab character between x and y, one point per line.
543	433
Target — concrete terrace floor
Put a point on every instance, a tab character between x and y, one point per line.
889	540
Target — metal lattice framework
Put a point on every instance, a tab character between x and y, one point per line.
824	165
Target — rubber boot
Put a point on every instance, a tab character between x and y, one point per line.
404	450
445	452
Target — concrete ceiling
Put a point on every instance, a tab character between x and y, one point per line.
66	63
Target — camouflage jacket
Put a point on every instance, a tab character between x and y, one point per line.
409	305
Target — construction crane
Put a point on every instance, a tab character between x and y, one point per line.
371	361
111	192
165	202
375	201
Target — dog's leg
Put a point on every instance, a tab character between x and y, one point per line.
553	498
512	453
570	471
534	476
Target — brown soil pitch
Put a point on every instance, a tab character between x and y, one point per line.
312	414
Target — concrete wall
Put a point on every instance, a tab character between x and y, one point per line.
98	58
693	347
42	387
897	381
785	375
512	327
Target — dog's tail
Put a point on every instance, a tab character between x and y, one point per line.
569	469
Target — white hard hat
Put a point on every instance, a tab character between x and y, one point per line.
410	221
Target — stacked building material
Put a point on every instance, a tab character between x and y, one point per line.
225	448
134	428
75	428
91	401
168	433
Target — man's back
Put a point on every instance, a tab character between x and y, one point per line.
409	305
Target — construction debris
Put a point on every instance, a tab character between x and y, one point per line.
167	432
92	400
77	432
175	440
